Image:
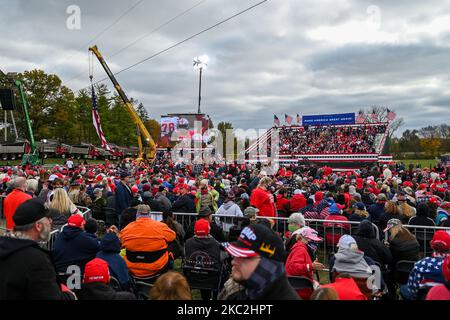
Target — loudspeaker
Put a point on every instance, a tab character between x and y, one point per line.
7	99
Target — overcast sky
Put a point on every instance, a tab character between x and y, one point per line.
284	56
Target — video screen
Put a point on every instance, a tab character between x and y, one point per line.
184	127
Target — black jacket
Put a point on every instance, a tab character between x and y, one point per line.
404	247
184	204
27	273
278	290
370	245
215	231
421	221
101	291
203	252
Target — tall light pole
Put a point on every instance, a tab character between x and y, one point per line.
200	63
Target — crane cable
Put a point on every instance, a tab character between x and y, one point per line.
180	42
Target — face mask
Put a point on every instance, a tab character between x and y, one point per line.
292	227
312	245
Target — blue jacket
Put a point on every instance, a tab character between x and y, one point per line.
73	246
123	198
110	249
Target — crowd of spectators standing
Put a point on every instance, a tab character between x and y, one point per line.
136	235
329	139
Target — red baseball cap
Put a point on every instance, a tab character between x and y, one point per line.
134	189
440	241
434	200
446	268
96	270
76	220
202	227
422	186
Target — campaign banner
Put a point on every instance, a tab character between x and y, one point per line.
329	119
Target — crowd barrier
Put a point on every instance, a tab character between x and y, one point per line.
86	213
326	248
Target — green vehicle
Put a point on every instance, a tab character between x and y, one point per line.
30	156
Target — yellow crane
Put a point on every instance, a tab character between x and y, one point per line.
142	131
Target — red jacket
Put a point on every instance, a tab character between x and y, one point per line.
299	263
263	200
347	289
298	201
282	203
333	239
10	204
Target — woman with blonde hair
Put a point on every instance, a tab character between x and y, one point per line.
390	212
171	286
262	199
74	191
59	201
404	209
402	243
360	213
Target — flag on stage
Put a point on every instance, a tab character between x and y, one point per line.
97	125
360	118
391	115
276	120
287	119
374	115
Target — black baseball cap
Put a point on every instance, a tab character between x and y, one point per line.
30	211
257	239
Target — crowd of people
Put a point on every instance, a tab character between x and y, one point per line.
329	139
146	217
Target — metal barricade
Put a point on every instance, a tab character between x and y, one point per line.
85	212
51	241
423	234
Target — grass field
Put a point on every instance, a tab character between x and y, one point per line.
50	161
423	162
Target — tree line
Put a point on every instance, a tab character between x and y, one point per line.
56	112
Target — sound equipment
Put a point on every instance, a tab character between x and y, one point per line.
7	99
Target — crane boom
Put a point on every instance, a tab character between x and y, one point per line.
142	130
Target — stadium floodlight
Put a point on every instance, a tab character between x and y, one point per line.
200	63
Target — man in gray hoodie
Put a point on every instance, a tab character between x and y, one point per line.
229	208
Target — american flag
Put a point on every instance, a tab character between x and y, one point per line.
276	120
360	118
374	115
391	115
97	125
287	119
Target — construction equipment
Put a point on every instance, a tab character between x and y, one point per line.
150	151
31	157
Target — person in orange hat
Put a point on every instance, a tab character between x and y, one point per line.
96	281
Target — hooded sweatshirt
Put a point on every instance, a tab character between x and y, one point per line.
73	246
26	272
370	245
231	209
110	249
352	262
